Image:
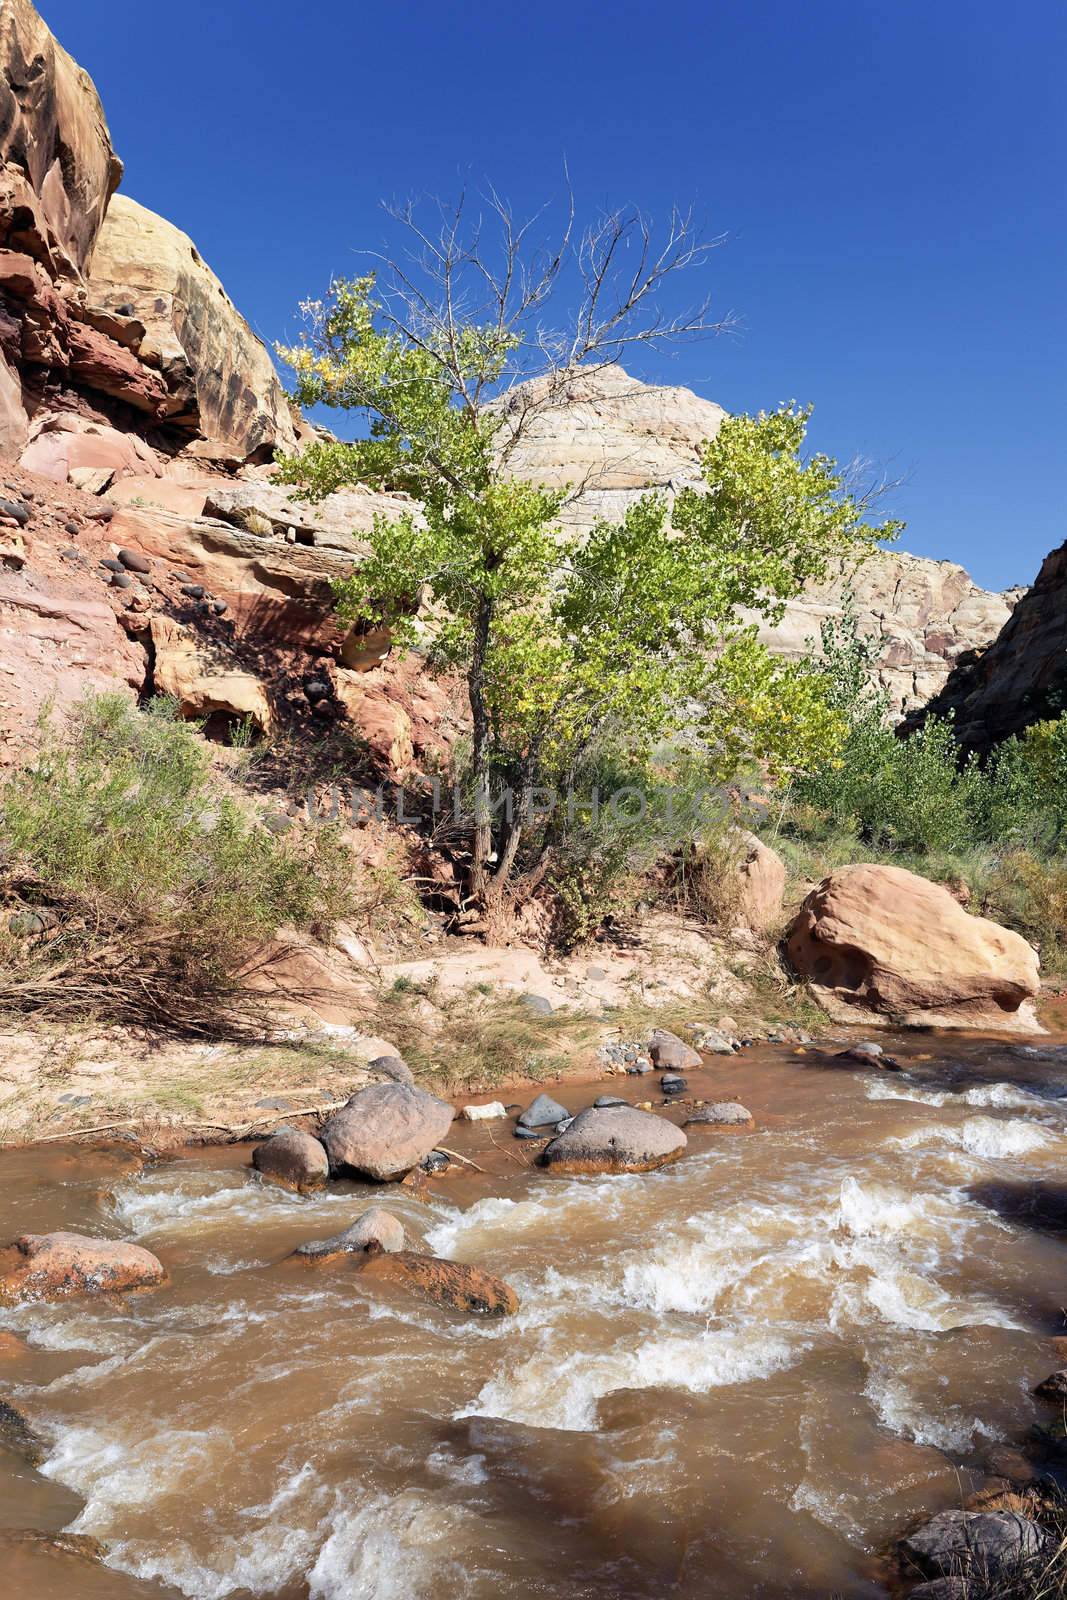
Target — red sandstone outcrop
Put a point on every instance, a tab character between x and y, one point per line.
878	942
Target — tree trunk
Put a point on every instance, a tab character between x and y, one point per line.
483	826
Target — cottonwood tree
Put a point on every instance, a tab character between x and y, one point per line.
632	630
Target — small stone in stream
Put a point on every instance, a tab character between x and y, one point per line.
542	1112
730	1116
538	1004
121	580
713	1041
962	1543
487	1113
72	528
16	510
672	1083
603	1100
667	1050
435	1162
195	591
447	1283
112	565
1054	1387
534	1133
53	1266
17	1435
776	1038
134	561
615	1139
375	1228
392	1067
869	1056
292	1158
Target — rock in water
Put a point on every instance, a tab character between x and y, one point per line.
985	1543
293	1158
385	1130
878	941
728	1116
17	1435
615	1139
392	1067
492	1112
447	1283
55	1266
542	1112
1054	1387
667	1050
375	1228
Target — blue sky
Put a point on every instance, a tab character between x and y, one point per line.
890	178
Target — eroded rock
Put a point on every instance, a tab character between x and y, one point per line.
447	1283
385	1130
724	1116
986	1543
878	942
56	1266
667	1050
293	1158
376	1228
615	1139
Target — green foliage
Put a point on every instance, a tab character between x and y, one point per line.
162	886
628	633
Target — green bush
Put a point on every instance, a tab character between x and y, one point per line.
157	889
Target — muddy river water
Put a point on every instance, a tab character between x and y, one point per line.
738	1376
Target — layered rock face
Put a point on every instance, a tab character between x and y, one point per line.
1022	677
107	313
613	439
220	377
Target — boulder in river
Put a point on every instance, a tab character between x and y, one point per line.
542	1113
723	1116
988	1544
375	1229
615	1139
55	1266
293	1158
385	1130
882	943
667	1050
447	1283
1054	1387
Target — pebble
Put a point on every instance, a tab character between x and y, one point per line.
112	565
121	580
195	591
488	1113
16	510
436	1161
133	561
72	528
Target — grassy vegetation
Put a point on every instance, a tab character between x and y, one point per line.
136	889
476	1040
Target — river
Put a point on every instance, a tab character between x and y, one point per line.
738	1376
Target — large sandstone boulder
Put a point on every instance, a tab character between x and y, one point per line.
220	374
56	1266
292	1158
385	1130
204	681
880	942
614	1139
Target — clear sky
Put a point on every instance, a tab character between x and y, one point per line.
889	174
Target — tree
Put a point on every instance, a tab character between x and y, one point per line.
633	630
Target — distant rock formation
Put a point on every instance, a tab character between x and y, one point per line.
613	438
107	313
1021	678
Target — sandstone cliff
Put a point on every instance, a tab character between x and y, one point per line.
613	438
1022	677
109	317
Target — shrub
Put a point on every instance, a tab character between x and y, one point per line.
156	891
